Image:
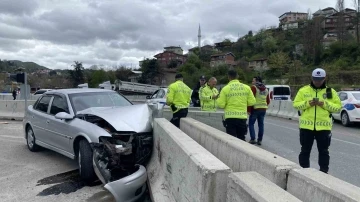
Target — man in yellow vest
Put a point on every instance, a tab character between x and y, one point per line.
317	102
234	98
178	98
258	111
208	95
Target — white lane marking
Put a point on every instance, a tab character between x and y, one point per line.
298	130
14	137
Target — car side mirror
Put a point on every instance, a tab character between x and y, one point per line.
148	96
64	115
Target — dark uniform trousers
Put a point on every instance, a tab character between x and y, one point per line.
236	127
182	113
323	140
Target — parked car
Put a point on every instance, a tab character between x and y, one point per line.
350	112
110	138
279	92
159	97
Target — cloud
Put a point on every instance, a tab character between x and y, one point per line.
55	33
18	7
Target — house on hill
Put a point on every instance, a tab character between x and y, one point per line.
222	59
292	20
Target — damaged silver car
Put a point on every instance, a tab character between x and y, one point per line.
110	138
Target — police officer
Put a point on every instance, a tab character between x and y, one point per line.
317	102
195	96
208	95
178	98
235	97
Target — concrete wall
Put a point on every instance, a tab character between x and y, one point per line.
311	185
181	170
252	187
239	155
13	109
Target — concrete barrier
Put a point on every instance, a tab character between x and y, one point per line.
13	109
312	185
181	170
253	187
274	107
239	155
283	109
8	96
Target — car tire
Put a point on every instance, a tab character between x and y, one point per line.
345	121
85	157
30	140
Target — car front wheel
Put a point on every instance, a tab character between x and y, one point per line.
30	140
86	168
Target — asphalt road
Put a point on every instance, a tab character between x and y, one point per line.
282	138
40	176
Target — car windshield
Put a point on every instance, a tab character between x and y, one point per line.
357	96
281	91
82	101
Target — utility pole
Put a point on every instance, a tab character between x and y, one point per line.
199	39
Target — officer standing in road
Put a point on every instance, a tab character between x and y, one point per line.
235	97
195	96
317	101
208	95
178	98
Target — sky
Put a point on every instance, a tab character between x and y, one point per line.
55	33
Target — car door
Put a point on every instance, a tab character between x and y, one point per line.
38	118
343	98
60	131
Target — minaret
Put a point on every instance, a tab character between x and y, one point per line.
199	38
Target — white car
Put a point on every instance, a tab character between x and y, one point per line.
350	112
159	97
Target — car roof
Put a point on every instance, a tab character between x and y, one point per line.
78	90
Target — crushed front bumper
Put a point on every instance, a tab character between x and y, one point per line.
129	188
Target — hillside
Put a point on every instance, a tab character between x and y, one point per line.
12	65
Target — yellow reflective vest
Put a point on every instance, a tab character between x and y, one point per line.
207	103
316	118
261	99
178	95
234	98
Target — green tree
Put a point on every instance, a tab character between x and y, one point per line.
151	72
269	45
97	77
77	75
278	63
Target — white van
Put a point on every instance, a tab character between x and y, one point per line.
279	92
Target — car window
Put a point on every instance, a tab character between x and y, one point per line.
43	104
155	94
356	95
343	96
58	105
161	94
281	91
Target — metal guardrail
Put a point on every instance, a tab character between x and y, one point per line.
138	87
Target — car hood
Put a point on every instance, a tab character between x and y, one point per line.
134	118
